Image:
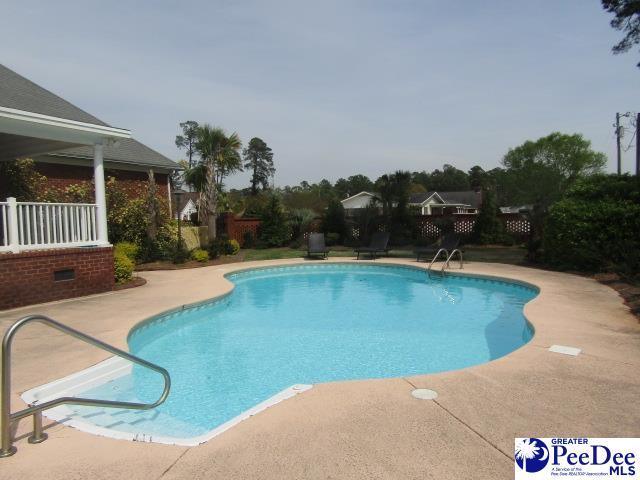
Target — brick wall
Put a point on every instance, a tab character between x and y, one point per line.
59	177
28	277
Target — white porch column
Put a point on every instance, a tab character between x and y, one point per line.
101	198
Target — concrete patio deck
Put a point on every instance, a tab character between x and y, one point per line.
356	429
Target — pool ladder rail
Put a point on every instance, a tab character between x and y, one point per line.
7	418
448	258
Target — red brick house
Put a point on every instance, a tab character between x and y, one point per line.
50	251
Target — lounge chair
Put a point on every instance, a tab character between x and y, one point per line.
316	245
379	244
448	243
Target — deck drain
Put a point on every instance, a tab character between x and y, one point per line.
573	351
424	394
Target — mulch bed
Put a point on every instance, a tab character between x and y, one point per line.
629	292
164	265
134	282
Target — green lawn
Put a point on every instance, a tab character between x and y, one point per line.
494	254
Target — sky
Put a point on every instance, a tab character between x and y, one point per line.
335	88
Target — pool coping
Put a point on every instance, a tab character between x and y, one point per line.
115	367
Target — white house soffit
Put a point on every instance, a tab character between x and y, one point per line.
30	124
357	195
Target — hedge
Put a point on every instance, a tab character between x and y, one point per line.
596	226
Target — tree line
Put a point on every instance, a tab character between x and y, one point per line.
535	174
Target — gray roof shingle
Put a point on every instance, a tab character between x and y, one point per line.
22	94
128	151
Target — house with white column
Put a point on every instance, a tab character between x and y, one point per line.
44	247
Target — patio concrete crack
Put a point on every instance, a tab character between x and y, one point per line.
173	463
485	439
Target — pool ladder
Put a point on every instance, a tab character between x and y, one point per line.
448	258
7	418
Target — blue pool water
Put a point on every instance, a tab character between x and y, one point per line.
305	325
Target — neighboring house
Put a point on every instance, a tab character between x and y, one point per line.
439	203
428	203
358	201
188	204
50	251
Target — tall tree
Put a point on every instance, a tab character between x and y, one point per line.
394	191
539	172
258	158
219	155
477	177
188	139
359	183
627	19
449	179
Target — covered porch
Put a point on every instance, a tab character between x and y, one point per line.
36	226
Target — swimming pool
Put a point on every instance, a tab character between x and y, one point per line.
301	325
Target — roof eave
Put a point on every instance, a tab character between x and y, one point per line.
177	167
36	125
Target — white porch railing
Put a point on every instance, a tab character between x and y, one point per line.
33	225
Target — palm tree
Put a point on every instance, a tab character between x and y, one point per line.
220	156
526	450
384	186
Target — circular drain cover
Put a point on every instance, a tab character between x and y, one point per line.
424	394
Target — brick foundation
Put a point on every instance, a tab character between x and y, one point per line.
29	277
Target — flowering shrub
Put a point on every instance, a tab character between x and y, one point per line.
123	267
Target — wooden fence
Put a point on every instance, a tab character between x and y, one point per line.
236	228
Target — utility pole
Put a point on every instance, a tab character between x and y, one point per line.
618	135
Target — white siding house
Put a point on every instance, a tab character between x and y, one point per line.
358	201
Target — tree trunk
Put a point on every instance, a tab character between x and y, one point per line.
212	227
211	200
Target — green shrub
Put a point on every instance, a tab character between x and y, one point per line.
332	238
233	247
333	221
488	228
595	227
199	255
123	267
299	221
223	246
274	230
128	249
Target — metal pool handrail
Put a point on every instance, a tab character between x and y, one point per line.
435	257
6	417
450	257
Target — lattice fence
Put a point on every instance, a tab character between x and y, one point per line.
518	227
463	226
